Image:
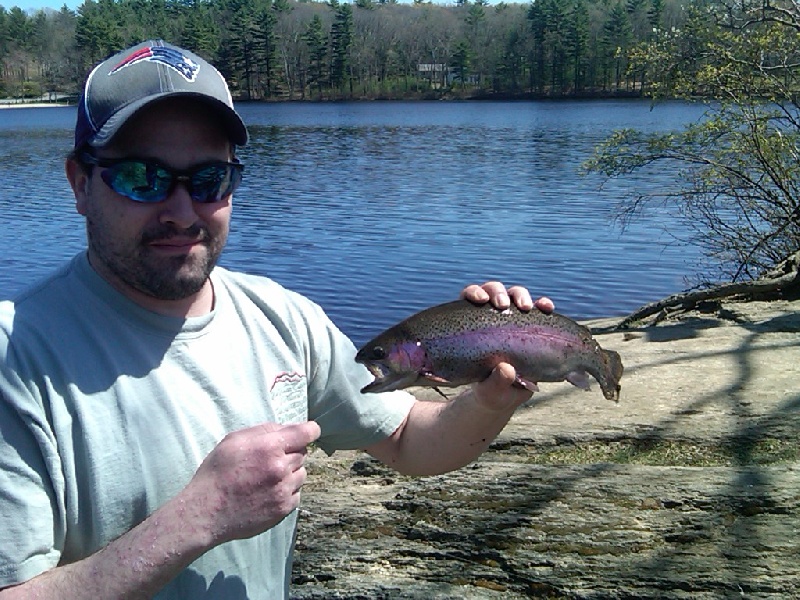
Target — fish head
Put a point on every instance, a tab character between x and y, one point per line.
395	364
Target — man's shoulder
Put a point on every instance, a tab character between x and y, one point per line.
262	290
45	288
36	319
243	279
38	299
279	304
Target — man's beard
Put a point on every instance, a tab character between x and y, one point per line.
163	278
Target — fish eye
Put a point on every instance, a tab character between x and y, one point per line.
378	353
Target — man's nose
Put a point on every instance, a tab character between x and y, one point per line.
178	207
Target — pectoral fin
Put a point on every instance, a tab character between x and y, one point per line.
434	379
526	384
578	379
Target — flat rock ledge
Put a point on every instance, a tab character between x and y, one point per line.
688	488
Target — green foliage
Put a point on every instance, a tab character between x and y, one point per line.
31	89
577	41
200	33
740	170
315	39
308	48
617	38
341	42
460	62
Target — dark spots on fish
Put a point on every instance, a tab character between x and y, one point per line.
458	343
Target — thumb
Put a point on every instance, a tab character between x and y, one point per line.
270	427
502	377
498	392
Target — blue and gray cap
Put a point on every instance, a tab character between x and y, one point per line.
128	81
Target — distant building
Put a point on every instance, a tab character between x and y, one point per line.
437	73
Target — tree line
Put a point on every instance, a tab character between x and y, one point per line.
289	49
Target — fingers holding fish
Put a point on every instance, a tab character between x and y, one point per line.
481	294
522	300
502	297
544	304
521	297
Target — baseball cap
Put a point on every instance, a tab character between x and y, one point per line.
128	81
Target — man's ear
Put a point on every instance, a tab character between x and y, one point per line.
79	181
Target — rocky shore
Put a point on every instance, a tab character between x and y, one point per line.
688	488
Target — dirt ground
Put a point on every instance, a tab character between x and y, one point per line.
688	488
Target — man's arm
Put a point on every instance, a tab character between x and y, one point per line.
439	437
246	485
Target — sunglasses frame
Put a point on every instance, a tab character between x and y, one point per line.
184	176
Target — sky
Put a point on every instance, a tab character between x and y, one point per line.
37	4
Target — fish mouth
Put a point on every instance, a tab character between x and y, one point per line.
387	380
378	371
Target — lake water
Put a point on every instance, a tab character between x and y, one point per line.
376	210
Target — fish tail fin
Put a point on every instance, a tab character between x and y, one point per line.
613	374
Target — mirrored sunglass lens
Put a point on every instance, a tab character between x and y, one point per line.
139	180
213	183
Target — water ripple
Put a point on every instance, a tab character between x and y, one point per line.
378	210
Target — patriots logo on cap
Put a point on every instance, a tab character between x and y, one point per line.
166	56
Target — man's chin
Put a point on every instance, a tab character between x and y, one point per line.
176	279
173	288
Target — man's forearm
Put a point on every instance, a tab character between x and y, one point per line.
135	565
440	437
436	438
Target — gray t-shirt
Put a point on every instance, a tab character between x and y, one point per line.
107	410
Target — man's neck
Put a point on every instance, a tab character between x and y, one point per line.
196	305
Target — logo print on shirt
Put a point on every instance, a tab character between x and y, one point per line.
166	56
287	377
289	397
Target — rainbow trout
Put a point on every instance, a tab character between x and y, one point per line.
459	342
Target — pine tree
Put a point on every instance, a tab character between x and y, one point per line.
316	40
341	40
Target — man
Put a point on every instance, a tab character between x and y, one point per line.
155	409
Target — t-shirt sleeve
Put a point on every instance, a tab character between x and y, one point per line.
29	526
349	420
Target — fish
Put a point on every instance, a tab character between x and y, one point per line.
460	342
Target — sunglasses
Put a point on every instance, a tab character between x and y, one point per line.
150	181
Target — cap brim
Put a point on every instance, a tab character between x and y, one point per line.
234	126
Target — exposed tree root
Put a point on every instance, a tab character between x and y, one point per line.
784	278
